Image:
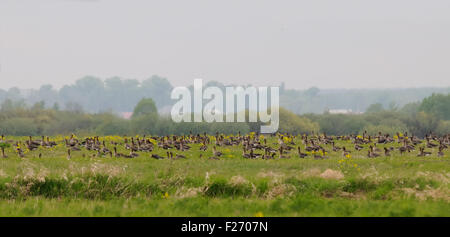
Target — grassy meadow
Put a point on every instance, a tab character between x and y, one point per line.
89	185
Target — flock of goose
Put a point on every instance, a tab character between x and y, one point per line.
253	146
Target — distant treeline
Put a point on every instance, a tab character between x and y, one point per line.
95	95
432	115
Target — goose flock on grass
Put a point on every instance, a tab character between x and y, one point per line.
254	146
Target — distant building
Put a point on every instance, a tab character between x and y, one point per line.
126	115
342	111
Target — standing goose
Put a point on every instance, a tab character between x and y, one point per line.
372	150
245	155
266	154
441	151
387	152
345	153
422	152
281	154
300	154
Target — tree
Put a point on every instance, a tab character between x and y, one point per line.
55	106
157	88
311	92
145	107
294	124
437	105
375	108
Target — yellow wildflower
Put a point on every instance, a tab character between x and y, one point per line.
259	214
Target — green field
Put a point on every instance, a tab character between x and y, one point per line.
87	184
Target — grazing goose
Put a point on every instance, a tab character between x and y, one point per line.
245	155
21	155
133	154
371	154
422	152
430	144
254	155
178	156
115	153
130	156
319	155
336	148
216	153
204	147
345	153
358	147
156	156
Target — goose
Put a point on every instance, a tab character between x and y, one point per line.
178	156
371	154
18	150
441	151
358	147
75	148
402	150
281	154
266	155
130	156
216	153
204	147
300	154
345	153
375	148
372	151
387	152
245	155
156	156
335	148
134	154
105	149
430	144
422	152
318	156
115	152
381	138
254	155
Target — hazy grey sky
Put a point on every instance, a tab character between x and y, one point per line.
329	44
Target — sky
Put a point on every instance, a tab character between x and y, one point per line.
323	43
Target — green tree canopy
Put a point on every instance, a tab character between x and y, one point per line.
375	108
438	105
145	107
